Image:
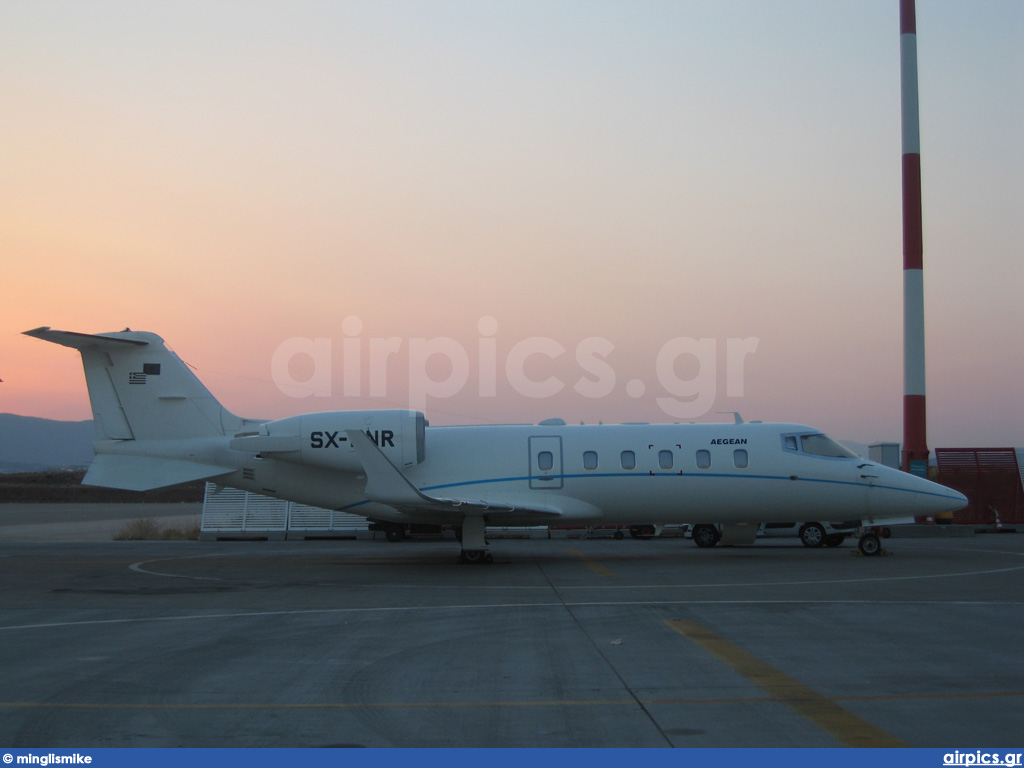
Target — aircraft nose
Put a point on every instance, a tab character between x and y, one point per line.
935	499
900	493
953	501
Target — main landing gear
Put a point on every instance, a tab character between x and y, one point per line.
474	545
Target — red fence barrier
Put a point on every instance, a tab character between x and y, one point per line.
990	478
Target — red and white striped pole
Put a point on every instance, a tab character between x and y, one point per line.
915	444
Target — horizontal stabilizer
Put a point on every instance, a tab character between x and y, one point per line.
144	473
385	484
81	340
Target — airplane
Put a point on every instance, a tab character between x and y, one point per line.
157	425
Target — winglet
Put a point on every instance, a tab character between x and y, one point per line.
385	483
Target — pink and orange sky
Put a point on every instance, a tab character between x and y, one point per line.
235	175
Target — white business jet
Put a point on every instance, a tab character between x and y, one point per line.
157	425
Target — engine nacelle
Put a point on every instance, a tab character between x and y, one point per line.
319	439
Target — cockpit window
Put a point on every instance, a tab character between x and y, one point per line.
823	445
817	445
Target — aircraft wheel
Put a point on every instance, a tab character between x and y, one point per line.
705	535
834	540
395	533
812	535
869	544
475	556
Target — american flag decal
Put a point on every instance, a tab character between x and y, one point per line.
148	369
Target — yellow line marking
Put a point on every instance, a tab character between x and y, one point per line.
593	565
848	728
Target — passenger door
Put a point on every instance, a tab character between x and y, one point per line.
546	462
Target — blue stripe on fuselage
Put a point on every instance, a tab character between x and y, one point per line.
720	475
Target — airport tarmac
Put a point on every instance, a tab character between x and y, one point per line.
559	643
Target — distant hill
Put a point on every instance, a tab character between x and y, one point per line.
65	487
28	444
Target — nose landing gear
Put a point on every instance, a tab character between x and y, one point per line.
870	543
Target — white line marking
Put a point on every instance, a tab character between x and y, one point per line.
138	568
481	606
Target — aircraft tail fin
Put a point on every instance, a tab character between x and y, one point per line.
140	390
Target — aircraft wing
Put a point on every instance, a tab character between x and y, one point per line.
386	484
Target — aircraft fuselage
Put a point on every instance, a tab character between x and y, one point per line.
608	474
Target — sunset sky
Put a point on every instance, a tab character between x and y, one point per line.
508	185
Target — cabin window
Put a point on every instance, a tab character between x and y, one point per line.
628	460
590	459
665	459
545	461
739	458
703	459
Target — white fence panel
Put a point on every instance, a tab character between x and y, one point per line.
231	510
